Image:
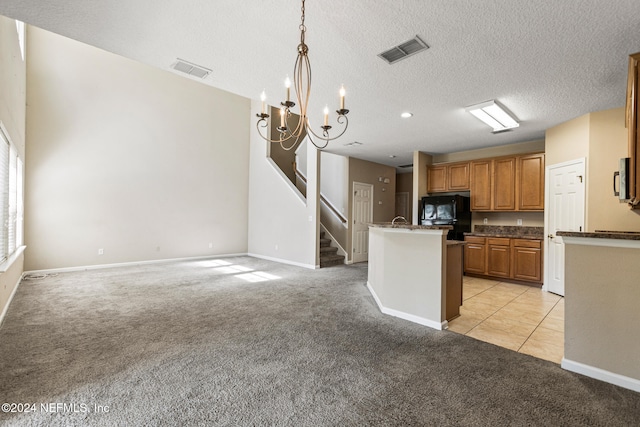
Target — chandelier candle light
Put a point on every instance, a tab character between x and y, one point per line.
288	137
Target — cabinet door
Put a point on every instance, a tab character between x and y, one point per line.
499	260
633	128
504	174
527	264
475	259
458	176
481	185
436	178
531	182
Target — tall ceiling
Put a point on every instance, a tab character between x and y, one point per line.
548	62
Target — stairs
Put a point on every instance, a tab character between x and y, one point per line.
328	253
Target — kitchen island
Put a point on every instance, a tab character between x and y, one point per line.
408	272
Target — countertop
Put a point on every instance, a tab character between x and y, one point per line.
508	231
600	234
410	226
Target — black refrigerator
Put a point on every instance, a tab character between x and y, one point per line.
447	210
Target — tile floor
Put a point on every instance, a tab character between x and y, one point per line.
518	317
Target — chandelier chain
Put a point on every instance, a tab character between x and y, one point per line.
303	28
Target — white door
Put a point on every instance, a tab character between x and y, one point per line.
362	215
564	211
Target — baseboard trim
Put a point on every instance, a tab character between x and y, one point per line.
285	261
129	264
601	374
406	316
13	293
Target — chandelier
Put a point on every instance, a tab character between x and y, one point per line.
289	137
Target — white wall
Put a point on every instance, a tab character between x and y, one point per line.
283	225
12	115
122	156
334	180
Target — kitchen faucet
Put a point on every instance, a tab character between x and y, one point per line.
393	221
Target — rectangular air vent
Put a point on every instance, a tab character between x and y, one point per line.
404	50
406	166
190	68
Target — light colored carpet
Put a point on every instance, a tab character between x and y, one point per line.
195	343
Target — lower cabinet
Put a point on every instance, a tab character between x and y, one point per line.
504	258
499	257
475	255
527	260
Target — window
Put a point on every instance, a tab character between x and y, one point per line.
21	33
11	197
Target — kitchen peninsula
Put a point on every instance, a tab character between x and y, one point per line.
602	306
415	273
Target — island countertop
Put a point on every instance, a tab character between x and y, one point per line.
601	234
410	226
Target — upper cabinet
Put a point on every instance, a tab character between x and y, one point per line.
504	189
508	183
481	185
633	129
530	182
448	177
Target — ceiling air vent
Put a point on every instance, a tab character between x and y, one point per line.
404	50
406	166
190	68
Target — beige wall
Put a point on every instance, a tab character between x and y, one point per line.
602	310
420	162
404	184
607	144
12	115
567	141
483	153
121	156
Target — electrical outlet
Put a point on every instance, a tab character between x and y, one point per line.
485	221
519	221
100	251
276	247
210	245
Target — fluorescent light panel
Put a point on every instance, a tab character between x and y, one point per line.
494	115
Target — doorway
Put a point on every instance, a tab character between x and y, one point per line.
564	201
362	216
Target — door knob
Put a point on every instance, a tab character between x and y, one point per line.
550	236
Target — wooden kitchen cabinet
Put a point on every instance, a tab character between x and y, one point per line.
633	129
530	182
448	177
436	178
504	189
504	258
498	257
481	185
527	260
458	176
475	255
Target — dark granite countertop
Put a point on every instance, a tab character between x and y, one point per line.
508	231
601	234
411	226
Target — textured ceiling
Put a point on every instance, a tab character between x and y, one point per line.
548	62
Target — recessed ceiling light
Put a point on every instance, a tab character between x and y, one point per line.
406	115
